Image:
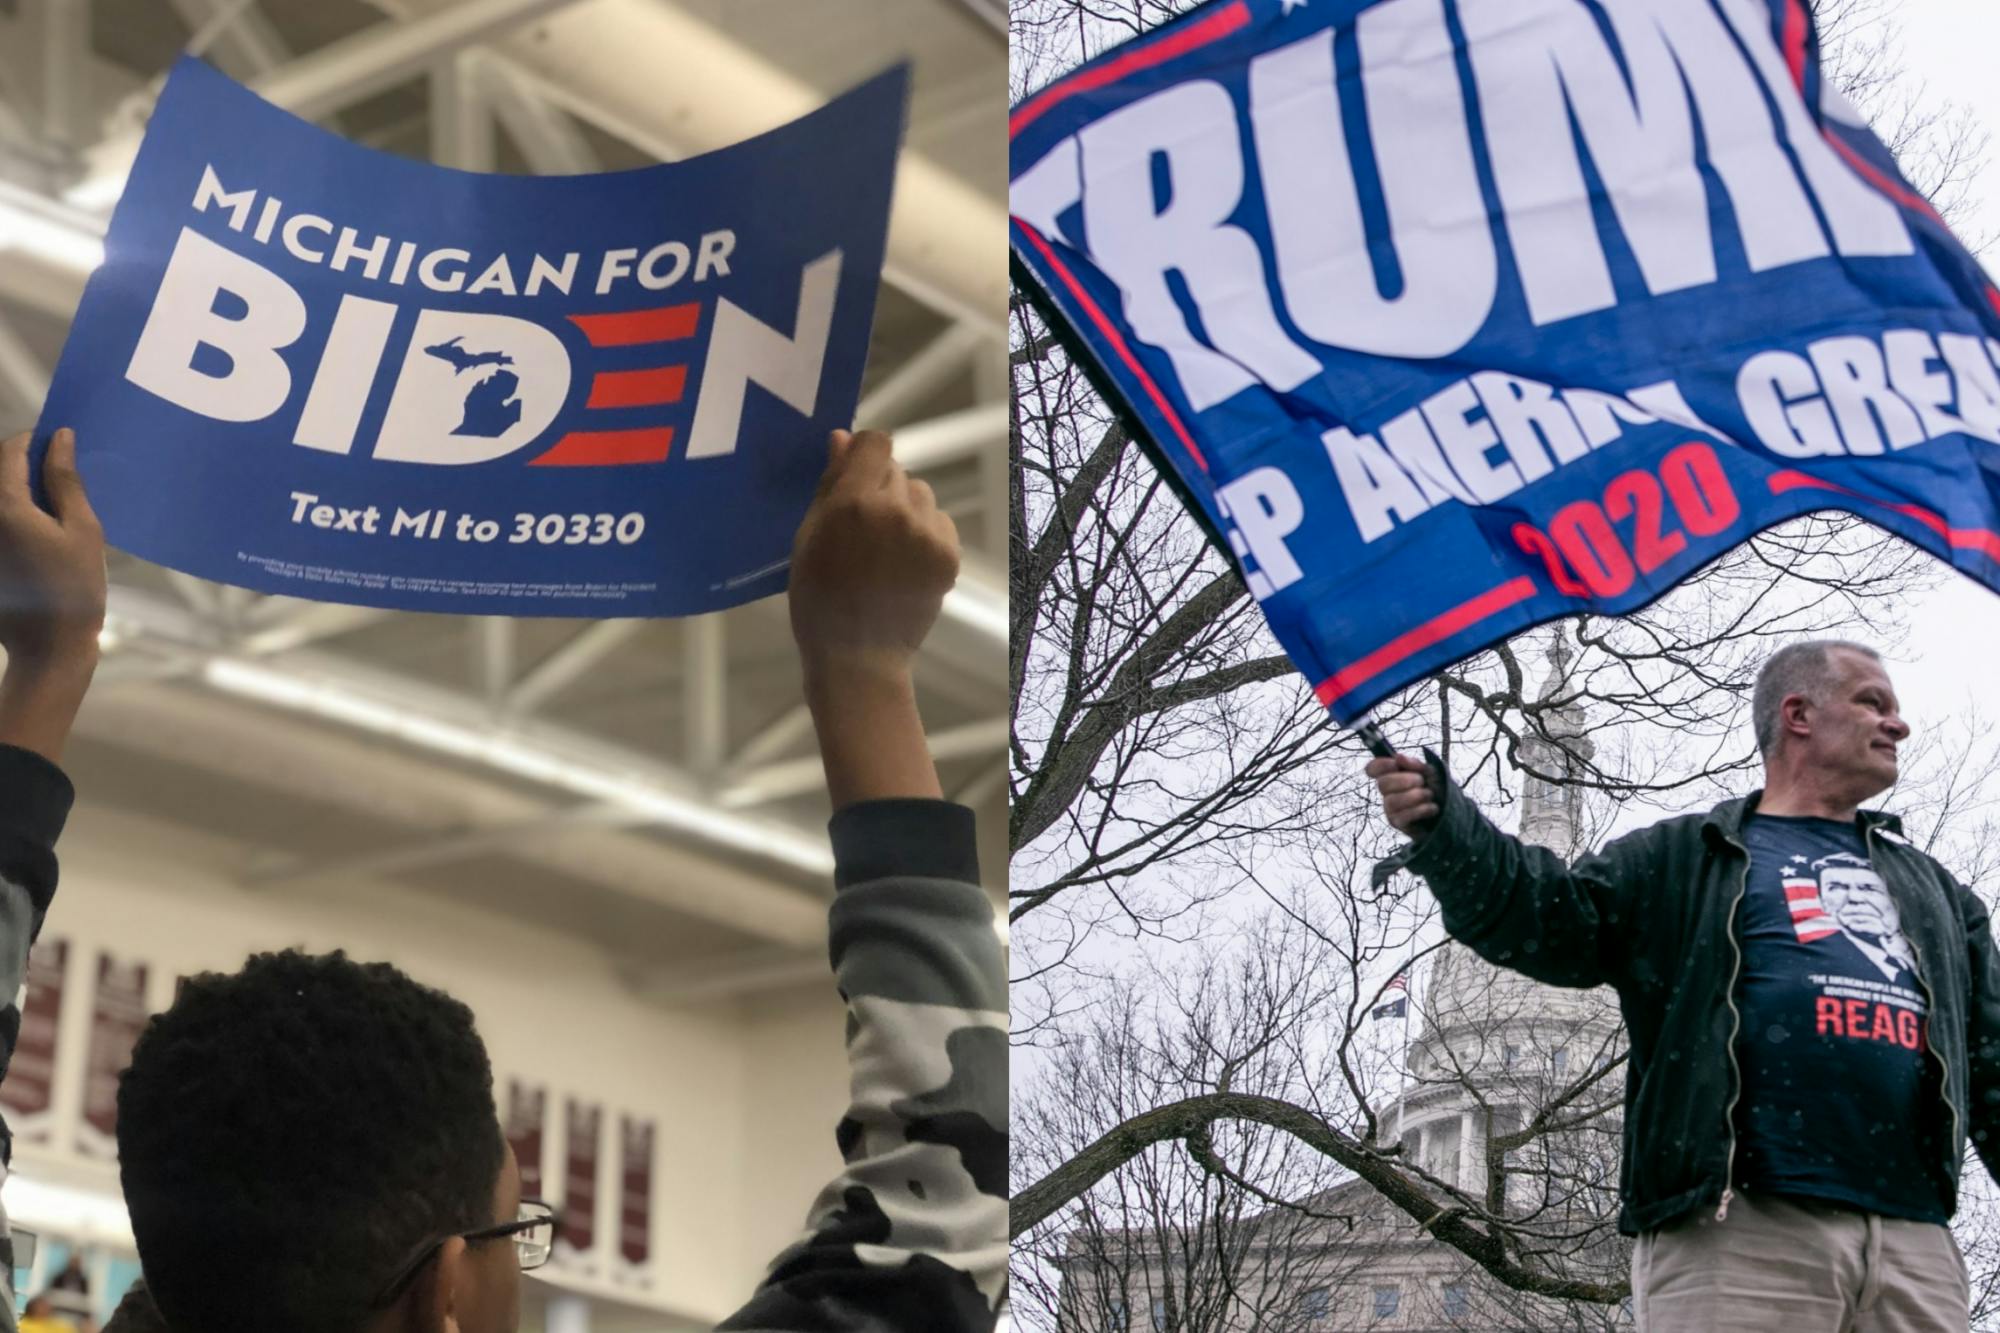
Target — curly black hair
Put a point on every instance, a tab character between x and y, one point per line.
290	1133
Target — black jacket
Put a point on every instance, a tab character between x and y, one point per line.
1653	916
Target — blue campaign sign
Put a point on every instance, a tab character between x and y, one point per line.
1452	318
310	368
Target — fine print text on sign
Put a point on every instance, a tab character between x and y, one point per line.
314	369
1513	307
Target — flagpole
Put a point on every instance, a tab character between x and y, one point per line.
1402	1047
1371	736
1402	1074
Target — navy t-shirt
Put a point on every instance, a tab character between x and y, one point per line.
1839	1096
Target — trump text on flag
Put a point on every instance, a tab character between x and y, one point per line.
1517	306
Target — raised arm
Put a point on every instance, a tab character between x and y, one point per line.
51	608
912	1236
870	568
1513	904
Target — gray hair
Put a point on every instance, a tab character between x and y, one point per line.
1797	668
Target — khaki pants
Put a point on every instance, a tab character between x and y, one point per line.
1783	1265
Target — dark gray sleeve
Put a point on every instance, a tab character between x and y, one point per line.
34	803
1521	906
912	1236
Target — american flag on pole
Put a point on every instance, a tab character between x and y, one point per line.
1399	989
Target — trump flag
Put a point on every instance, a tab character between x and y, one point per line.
1449	317
307	367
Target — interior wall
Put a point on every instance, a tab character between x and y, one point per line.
794	1093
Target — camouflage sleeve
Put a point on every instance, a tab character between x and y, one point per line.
34	802
912	1236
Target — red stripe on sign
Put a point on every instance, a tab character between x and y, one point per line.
608	448
1795	42
638	388
640	326
1993	298
1808	936
1111	335
1407	644
1794	892
1230	18
1908	198
1964	539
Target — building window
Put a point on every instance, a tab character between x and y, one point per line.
1455	1304
1159	1314
1315	1305
1508	1056
1387	1299
1117	1319
1559	1060
1625	1311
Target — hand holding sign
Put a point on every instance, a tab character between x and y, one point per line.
51	564
870	568
313	369
52	592
871	564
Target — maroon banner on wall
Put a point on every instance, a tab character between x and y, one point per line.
635	1195
118	1015
584	1125
29	1088
527	1118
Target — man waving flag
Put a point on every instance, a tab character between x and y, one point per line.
1449	319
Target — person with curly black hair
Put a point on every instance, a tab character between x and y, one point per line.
310	1144
385	1079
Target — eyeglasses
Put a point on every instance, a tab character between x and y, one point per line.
533	1232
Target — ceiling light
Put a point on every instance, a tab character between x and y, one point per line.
65	1212
980	606
521	757
49	232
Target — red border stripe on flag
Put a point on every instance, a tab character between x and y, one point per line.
1968	539
1436	630
1112	336
1907	198
1179	42
1794	40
